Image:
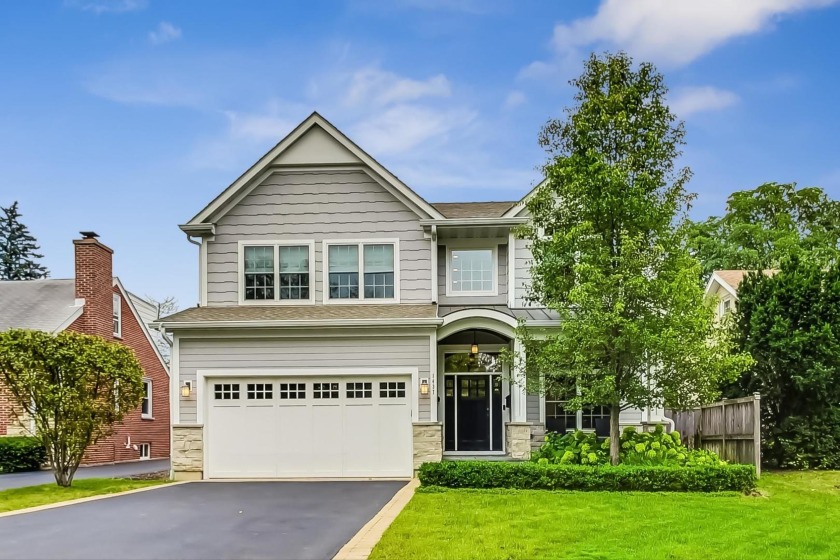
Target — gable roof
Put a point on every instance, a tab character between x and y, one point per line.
473	209
247	180
129	299
730	280
48	305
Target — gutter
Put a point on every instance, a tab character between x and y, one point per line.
430	322
468	222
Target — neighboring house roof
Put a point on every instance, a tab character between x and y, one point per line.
46	305
730	280
473	209
219	206
301	315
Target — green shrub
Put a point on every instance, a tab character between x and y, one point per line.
524	475
636	448
21	454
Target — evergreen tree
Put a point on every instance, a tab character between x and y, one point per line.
18	249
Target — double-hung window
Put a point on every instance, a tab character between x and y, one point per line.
276	272
361	271
117	315
472	271
146	404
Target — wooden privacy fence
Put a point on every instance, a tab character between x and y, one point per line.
731	428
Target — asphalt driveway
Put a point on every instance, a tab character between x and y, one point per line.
202	520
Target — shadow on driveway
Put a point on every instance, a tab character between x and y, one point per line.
202	520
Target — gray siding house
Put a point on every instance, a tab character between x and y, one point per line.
349	328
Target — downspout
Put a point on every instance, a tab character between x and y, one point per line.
200	265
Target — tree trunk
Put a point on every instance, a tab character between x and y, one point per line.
615	433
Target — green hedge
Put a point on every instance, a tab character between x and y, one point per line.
21	454
524	475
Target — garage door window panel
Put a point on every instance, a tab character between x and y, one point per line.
292	391
391	389
260	391
359	390
226	391
325	390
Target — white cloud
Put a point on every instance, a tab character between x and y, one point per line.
383	88
688	101
107	6
164	33
515	99
403	127
673	32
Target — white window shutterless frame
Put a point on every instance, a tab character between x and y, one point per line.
361	271
472	271
117	315
280	272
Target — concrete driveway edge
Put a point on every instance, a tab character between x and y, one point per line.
90	499
362	543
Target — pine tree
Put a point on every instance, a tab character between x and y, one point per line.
18	249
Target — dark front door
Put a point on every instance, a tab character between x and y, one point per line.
473	413
473	403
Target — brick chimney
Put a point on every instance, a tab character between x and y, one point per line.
94	283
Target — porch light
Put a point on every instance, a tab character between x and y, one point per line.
474	347
185	390
424	386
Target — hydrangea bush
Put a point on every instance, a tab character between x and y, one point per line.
637	448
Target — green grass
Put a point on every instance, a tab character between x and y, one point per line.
797	516
31	496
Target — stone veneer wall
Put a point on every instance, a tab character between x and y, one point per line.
518	440
428	443
537	436
187	452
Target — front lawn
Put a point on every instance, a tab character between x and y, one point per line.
31	496
797	516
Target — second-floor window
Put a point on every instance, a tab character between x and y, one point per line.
117	315
472	271
276	272
361	271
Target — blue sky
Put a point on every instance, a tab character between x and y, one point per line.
128	116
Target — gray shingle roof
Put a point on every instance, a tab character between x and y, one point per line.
473	209
44	305
302	313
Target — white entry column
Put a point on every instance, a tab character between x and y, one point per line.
519	392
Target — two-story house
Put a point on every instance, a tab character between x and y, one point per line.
349	328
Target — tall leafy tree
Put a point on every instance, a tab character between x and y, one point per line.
74	386
609	257
18	248
766	225
790	324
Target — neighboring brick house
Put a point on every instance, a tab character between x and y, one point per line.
94	302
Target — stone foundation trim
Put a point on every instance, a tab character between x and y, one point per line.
518	440
187	452
427	443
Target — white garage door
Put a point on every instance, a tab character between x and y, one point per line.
309	427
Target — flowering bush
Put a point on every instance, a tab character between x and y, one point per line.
637	448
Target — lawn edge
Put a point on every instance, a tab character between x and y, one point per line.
362	543
53	505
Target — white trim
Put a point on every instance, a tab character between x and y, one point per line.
174	396
202	376
511	271
202	272
435	276
519	397
433	379
493	247
264	162
140	449
488	319
151	414
517	208
325	270
722	283
116	314
143	326
276	244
